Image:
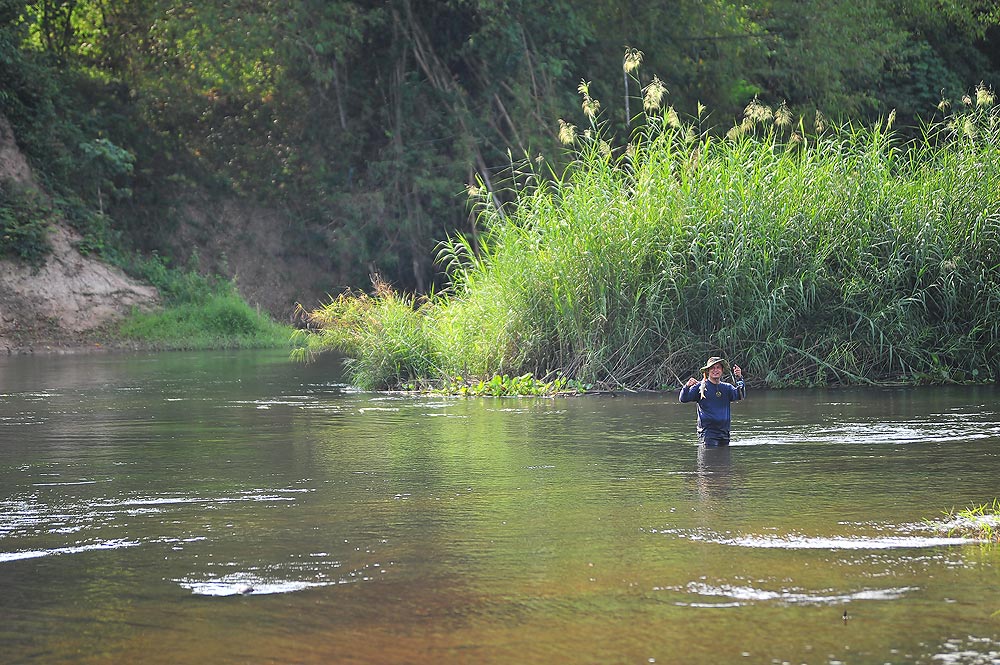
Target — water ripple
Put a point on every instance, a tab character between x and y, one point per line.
30	516
34	554
738	596
799	542
279	578
970	651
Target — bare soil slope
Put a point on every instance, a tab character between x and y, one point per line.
66	302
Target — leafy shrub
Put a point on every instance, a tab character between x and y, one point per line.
25	217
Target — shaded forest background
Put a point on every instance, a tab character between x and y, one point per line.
343	135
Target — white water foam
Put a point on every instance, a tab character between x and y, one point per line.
279	579
842	542
34	554
970	651
738	596
800	542
242	584
78	482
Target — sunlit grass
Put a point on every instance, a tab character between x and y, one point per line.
501	386
812	254
198	312
222	321
980	522
385	335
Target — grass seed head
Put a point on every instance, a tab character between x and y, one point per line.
632	60
758	112
590	105
820	122
969	128
567	132
783	116
984	96
672	118
654	94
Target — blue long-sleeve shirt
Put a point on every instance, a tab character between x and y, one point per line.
714	416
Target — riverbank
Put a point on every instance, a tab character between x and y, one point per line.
57	295
68	344
58	347
63	300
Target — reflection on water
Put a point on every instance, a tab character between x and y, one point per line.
235	507
715	472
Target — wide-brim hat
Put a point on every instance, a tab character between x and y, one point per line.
715	360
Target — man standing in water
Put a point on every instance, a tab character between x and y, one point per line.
714	397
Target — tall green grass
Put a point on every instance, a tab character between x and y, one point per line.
386	336
810	255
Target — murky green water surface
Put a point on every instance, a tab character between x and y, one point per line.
238	508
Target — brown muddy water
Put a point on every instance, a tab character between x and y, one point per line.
240	508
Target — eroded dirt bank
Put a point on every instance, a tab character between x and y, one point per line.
66	303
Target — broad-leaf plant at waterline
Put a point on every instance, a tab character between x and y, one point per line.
818	253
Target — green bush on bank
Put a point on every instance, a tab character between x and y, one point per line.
811	254
384	335
25	217
200	313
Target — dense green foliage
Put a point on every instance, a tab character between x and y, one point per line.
24	220
833	255
361	120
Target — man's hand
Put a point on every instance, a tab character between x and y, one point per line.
691	382
737	372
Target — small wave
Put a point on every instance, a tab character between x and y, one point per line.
940	428
179	499
798	542
276	579
970	651
78	482
737	596
268	403
244	585
842	542
34	554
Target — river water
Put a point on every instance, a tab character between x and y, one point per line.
240	508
